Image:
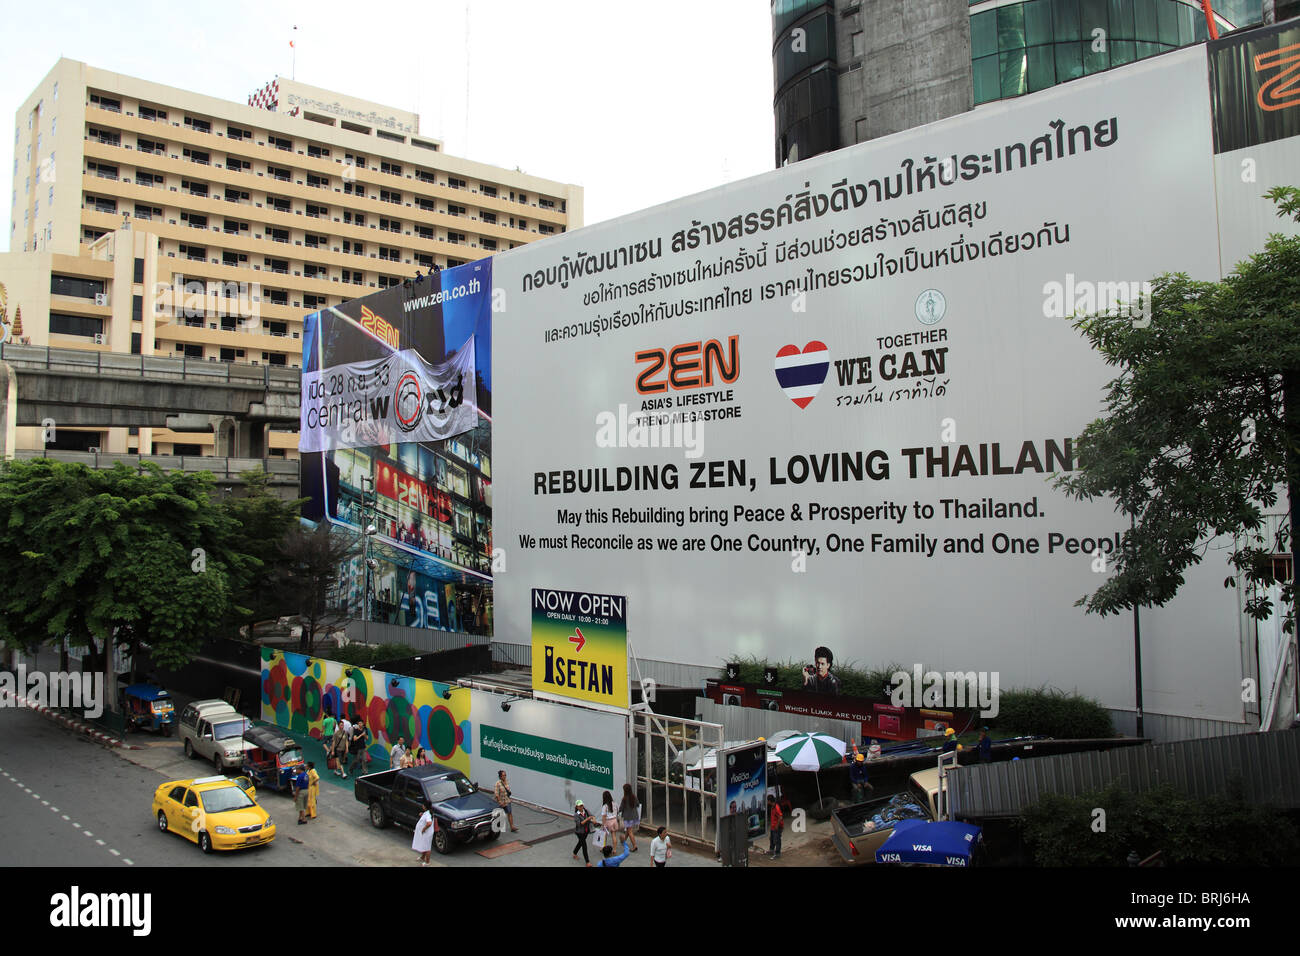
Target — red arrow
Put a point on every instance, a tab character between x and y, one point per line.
577	638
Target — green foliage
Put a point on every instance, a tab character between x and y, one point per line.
1197	438
363	655
103	556
1051	713
1222	831
262	521
854	681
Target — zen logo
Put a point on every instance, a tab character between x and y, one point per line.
689	365
1282	90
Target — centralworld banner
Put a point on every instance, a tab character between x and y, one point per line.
397	398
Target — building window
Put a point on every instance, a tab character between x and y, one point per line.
455	183
138	274
488	217
137	308
136	340
80	287
88	326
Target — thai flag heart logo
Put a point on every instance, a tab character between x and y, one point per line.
801	373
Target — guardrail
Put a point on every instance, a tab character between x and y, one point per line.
223	468
116	364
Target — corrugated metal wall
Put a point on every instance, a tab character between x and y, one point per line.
1165	728
422	639
1268	766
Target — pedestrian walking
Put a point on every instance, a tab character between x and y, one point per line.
339	747
608	818
299	784
357	747
629	811
775	824
313	790
582	821
661	847
502	793
610	859
425	828
327	733
985	746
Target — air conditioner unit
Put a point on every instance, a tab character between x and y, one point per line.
101	298
93	449
99	338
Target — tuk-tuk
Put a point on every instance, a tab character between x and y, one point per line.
273	759
148	707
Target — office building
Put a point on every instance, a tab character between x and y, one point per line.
156	221
846	71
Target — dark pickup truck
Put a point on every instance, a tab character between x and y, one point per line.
463	814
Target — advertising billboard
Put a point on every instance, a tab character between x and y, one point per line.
744	784
396	432
824	406
579	644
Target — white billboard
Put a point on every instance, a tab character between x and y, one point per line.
553	754
859	376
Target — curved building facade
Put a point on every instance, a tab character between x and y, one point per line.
846	71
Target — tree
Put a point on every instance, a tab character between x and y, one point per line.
1202	426
309	570
122	556
262	521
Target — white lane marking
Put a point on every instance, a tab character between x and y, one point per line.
55	809
114	852
45	803
100	842
87	832
127	862
66	817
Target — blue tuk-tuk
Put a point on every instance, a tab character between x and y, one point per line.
273	759
148	707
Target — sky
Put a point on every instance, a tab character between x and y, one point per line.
638	103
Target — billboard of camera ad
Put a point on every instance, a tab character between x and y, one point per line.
825	406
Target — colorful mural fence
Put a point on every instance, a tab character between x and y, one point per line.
298	692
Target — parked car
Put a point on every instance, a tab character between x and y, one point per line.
463	814
858	831
215	812
215	731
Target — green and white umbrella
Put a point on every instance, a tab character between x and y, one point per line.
803	751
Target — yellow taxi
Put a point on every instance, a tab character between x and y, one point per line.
215	812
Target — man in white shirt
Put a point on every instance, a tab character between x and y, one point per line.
395	755
660	847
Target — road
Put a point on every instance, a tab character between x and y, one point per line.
67	801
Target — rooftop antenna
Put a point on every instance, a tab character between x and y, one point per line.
293	68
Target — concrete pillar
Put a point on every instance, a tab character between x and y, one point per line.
8	411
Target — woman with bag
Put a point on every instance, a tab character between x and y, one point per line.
582	821
629	810
609	819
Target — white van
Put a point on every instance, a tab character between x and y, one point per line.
214	730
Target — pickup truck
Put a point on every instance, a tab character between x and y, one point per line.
463	814
856	831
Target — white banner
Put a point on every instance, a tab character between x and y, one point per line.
399	398
860	375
